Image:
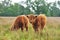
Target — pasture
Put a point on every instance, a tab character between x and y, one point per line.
50	32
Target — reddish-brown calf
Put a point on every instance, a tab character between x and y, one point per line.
38	22
20	22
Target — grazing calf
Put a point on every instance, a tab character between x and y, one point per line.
20	22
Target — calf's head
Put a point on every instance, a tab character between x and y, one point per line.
31	18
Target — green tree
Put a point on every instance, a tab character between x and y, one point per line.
55	11
39	6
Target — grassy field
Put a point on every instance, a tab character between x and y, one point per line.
50	32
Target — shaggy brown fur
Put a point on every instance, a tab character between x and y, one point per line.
39	22
20	22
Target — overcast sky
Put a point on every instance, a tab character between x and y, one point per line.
25	0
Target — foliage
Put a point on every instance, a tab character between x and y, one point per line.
32	7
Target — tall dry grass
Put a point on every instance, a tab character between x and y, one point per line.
50	32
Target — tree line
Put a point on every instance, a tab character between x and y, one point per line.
32	7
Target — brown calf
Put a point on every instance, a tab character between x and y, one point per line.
38	22
20	22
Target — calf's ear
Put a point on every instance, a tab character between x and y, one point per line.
27	16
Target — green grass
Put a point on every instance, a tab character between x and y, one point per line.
50	32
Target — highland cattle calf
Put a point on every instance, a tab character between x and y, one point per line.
38	21
20	22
